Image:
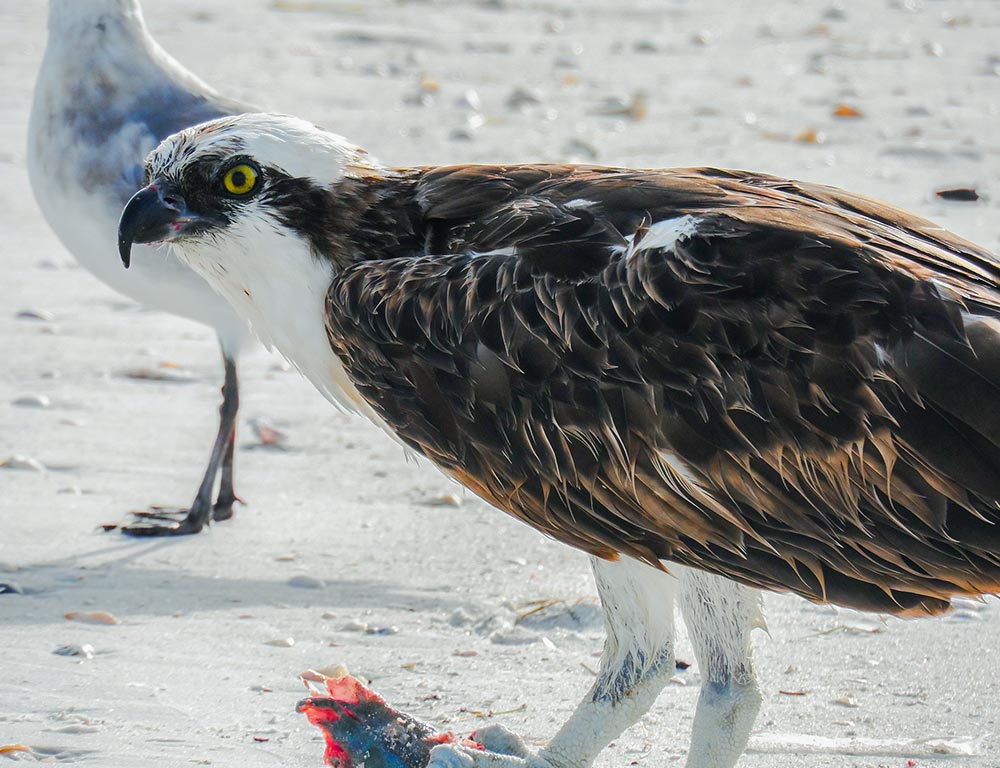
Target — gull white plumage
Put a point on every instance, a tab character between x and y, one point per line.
711	381
106	95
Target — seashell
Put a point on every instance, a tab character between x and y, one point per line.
6	749
382	630
93	617
32	401
41	315
306	582
85	651
18	461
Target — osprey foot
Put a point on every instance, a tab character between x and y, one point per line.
502	748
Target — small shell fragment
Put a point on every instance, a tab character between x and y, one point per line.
306	582
281	642
354	626
445	500
76	728
22	462
32	401
429	84
811	136
42	315
267	433
163	373
846	110
960	194
85	651
382	630
331	672
954	746
847	701
93	617
6	749
521	98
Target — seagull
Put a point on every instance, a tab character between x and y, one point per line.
713	382
106	95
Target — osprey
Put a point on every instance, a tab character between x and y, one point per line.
105	96
710	381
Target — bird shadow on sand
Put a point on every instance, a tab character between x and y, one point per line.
119	578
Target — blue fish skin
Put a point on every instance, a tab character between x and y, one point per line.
373	734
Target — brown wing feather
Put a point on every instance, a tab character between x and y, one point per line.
795	396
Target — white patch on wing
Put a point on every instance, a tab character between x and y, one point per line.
508	251
661	235
674	463
881	355
664	234
682	480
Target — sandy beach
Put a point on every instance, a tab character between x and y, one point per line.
349	552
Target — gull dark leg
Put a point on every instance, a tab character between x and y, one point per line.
223	509
160	523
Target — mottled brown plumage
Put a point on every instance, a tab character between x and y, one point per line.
800	394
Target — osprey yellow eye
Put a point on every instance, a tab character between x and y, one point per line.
240	179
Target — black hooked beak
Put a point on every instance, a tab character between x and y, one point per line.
154	213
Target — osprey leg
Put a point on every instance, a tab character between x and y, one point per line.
720	615
638	661
220	464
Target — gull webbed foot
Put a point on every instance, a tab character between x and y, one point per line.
168	521
223	507
221	512
164	521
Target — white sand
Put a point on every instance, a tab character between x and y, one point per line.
187	677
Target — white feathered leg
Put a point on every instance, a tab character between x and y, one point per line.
720	615
638	661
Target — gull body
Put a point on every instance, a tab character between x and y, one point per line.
710	381
106	95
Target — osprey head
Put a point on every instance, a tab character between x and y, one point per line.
254	204
233	177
